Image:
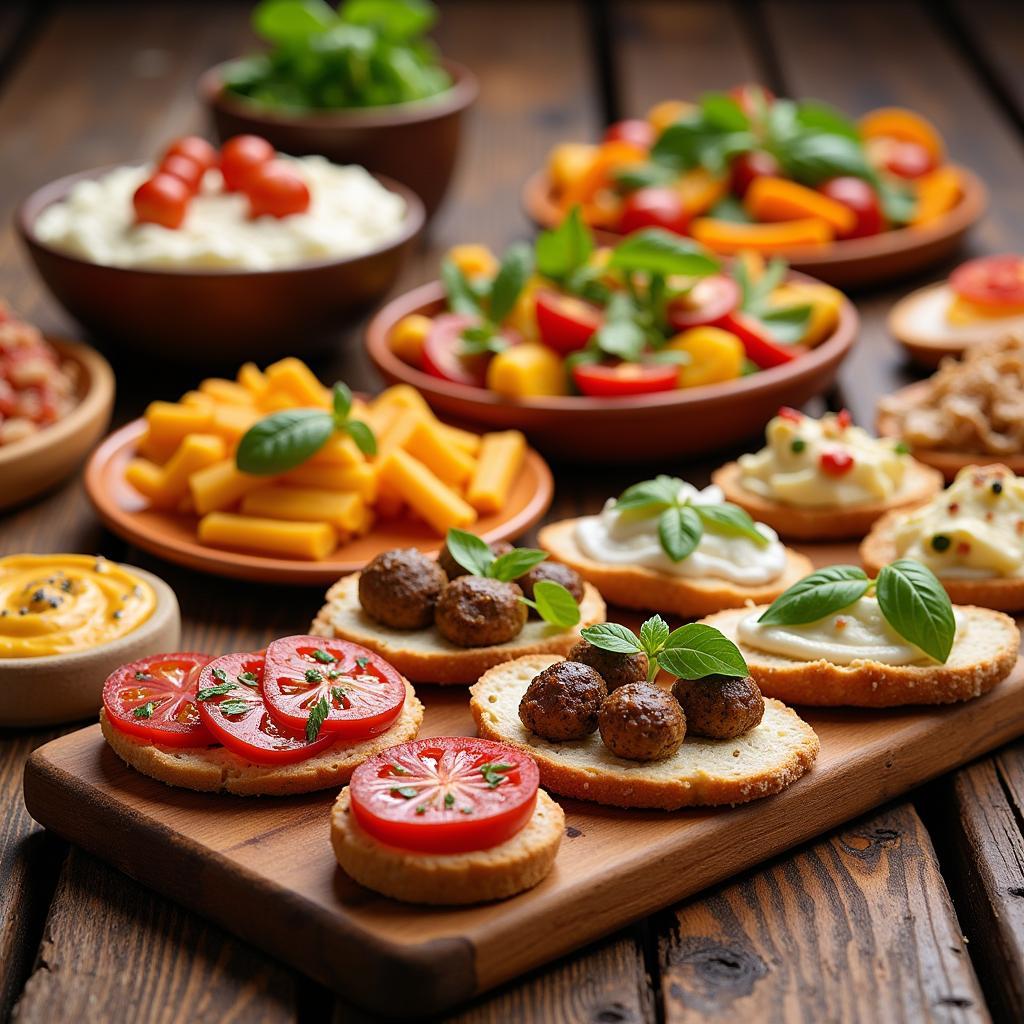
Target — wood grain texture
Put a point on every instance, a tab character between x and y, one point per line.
995	34
856	927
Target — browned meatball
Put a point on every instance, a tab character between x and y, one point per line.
615	669
452	568
557	573
399	588
720	707
641	722
562	702
474	612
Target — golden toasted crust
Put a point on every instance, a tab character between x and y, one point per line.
424	656
984	656
449	878
1003	593
631	586
920	483
216	770
702	772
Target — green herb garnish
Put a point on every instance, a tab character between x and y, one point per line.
214	691
247	678
362	662
234	706
324	657
219	673
313	676
817	595
317	716
449	800
406	792
494	773
338	695
145	710
140	675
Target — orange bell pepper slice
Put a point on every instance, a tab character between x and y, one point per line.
598	176
937	193
778	199
900	123
728	237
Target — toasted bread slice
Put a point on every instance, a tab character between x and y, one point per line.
1004	593
424	656
830	523
984	656
702	772
217	770
513	866
633	586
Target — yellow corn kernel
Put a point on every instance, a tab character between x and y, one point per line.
667	112
221	485
340	450
428	443
146	477
474	260
501	458
527	370
408	337
465	440
361	479
714	355
346	512
569	162
232	421
196	452
293	377
168	422
313	541
426	495
225	391
251	377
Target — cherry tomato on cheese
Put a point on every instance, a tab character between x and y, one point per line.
446	794
756	163
599	380
162	199
564	322
857	195
276	190
632	130
240	156
231	705
760	346
993	281
654	208
835	463
361	692
193	148
707	302
155	699
187	170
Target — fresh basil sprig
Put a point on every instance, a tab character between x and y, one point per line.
817	595
288	438
692	651
787	324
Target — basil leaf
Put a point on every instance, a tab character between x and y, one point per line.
610	636
820	117
555	604
788	324
620	335
757	293
817	595
461	297
732	521
657	251
399	20
722	111
631	177
732	209
812	158
317	716
205	693
234	706
144	710
679	530
472	553
566	248
515	563
342	402
653	634
694	651
516	267
898	202
693	142
362	435
288	21
283	441
782	122
917	606
653	494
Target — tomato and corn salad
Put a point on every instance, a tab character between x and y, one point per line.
37	388
655	313
745	170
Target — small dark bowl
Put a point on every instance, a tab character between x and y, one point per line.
416	143
214	316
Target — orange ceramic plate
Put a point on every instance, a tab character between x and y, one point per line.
173	536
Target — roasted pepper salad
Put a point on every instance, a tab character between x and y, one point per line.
746	170
655	313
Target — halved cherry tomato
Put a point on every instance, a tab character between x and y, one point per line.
859	196
760	346
162	199
757	163
632	130
835	463
654	208
155	699
599	380
706	303
275	190
193	148
993	281
240	156
564	322
181	167
238	717
446	794
442	351
907	159
363	693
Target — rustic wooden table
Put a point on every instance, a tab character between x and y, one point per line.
914	913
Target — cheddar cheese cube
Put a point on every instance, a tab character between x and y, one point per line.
312	541
501	458
427	495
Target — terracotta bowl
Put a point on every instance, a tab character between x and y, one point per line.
68	687
853	262
415	143
687	422
29	467
210	317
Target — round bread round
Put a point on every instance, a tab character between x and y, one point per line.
633	586
1004	593
424	656
218	770
702	772
982	657
478	876
833	522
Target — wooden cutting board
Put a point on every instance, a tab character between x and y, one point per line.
263	868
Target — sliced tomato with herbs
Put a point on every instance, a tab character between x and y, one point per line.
602	380
710	299
564	322
760	346
632	130
993	281
231	705
654	208
446	794
352	692
155	699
